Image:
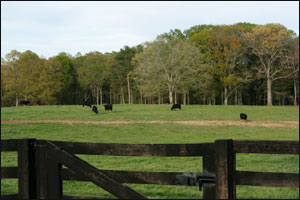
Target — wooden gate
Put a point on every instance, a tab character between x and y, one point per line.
41	175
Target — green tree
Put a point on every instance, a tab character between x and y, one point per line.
168	61
94	73
12	76
122	69
69	79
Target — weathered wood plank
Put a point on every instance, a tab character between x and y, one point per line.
272	179
65	197
141	177
209	169
9	172
9	145
54	179
266	146
114	149
41	171
10	197
225	164
26	169
93	174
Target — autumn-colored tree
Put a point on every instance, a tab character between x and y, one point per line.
28	77
227	57
269	43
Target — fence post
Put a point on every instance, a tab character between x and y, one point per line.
225	168
26	169
49	183
208	160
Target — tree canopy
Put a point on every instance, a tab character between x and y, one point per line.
243	63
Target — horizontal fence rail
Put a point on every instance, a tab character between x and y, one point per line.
121	149
141	177
266	147
271	179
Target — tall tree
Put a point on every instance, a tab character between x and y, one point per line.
12	74
68	78
122	69
269	43
291	61
169	61
227	56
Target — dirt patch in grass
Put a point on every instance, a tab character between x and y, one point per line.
292	124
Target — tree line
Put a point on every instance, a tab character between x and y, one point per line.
239	64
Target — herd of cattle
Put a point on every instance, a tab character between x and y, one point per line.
94	108
108	107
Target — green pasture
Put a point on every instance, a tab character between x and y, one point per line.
152	112
157	133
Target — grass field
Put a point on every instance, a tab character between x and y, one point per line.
157	133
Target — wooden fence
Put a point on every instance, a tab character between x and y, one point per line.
40	174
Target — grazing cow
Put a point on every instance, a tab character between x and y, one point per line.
95	109
174	106
38	102
108	107
243	116
24	102
86	103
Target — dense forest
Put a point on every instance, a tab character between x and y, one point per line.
239	64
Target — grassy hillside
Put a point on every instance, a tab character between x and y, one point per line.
157	133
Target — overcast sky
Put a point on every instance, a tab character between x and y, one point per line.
48	28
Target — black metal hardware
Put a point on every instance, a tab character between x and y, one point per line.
205	179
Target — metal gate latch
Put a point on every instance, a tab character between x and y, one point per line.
205	179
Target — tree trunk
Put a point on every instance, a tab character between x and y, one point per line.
101	96
188	98
184	98
110	98
170	95
236	97
269	86
129	93
17	99
131	101
158	98
97	95
295	92
225	97
122	96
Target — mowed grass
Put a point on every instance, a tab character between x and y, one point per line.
152	112
157	133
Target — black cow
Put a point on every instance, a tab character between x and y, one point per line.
38	102
243	116
174	106
87	103
24	102
108	107
95	109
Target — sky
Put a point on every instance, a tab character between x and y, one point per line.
50	27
